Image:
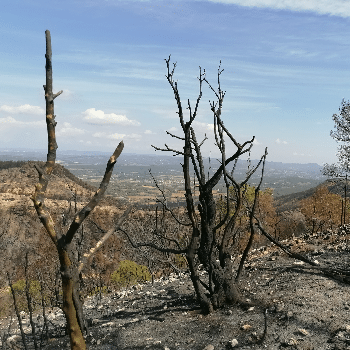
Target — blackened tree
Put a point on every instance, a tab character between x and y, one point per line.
211	237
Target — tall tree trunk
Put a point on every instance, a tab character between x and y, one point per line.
70	267
72	306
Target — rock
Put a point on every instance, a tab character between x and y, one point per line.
109	324
303	331
246	327
95	321
13	342
233	343
209	347
289	342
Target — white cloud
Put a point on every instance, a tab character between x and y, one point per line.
8	120
13	121
117	136
202	126
133	136
67	95
99	134
256	142
301	154
24	109
167	113
94	116
278	141
323	7
149	132
172	129
68	130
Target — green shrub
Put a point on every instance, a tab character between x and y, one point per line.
97	290
180	261
130	273
5	303
34	291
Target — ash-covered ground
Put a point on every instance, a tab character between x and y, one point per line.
308	310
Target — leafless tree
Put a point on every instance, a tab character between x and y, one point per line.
210	241
70	267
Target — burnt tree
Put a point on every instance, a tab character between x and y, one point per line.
211	237
70	267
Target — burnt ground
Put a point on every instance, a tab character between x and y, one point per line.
307	309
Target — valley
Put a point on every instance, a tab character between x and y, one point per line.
132	181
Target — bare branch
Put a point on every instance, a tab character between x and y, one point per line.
152	245
199	173
251	216
205	138
201	77
231	224
167	149
156	233
331	272
88	256
163	202
285	249
80	216
220	122
251	172
177	137
173	85
56	95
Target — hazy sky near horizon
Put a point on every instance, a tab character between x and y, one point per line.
286	71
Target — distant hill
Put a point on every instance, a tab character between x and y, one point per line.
283	178
20	178
291	201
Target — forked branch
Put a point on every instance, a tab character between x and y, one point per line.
88	256
83	213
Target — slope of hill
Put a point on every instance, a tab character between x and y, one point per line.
303	313
291	201
305	309
20	227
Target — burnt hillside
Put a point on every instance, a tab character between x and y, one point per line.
291	201
20	227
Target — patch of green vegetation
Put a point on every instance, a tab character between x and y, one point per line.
130	273
180	261
98	290
19	289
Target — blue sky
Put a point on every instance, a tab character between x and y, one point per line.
286	71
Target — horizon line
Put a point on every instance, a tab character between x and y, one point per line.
139	154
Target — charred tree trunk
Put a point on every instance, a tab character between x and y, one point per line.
206	245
